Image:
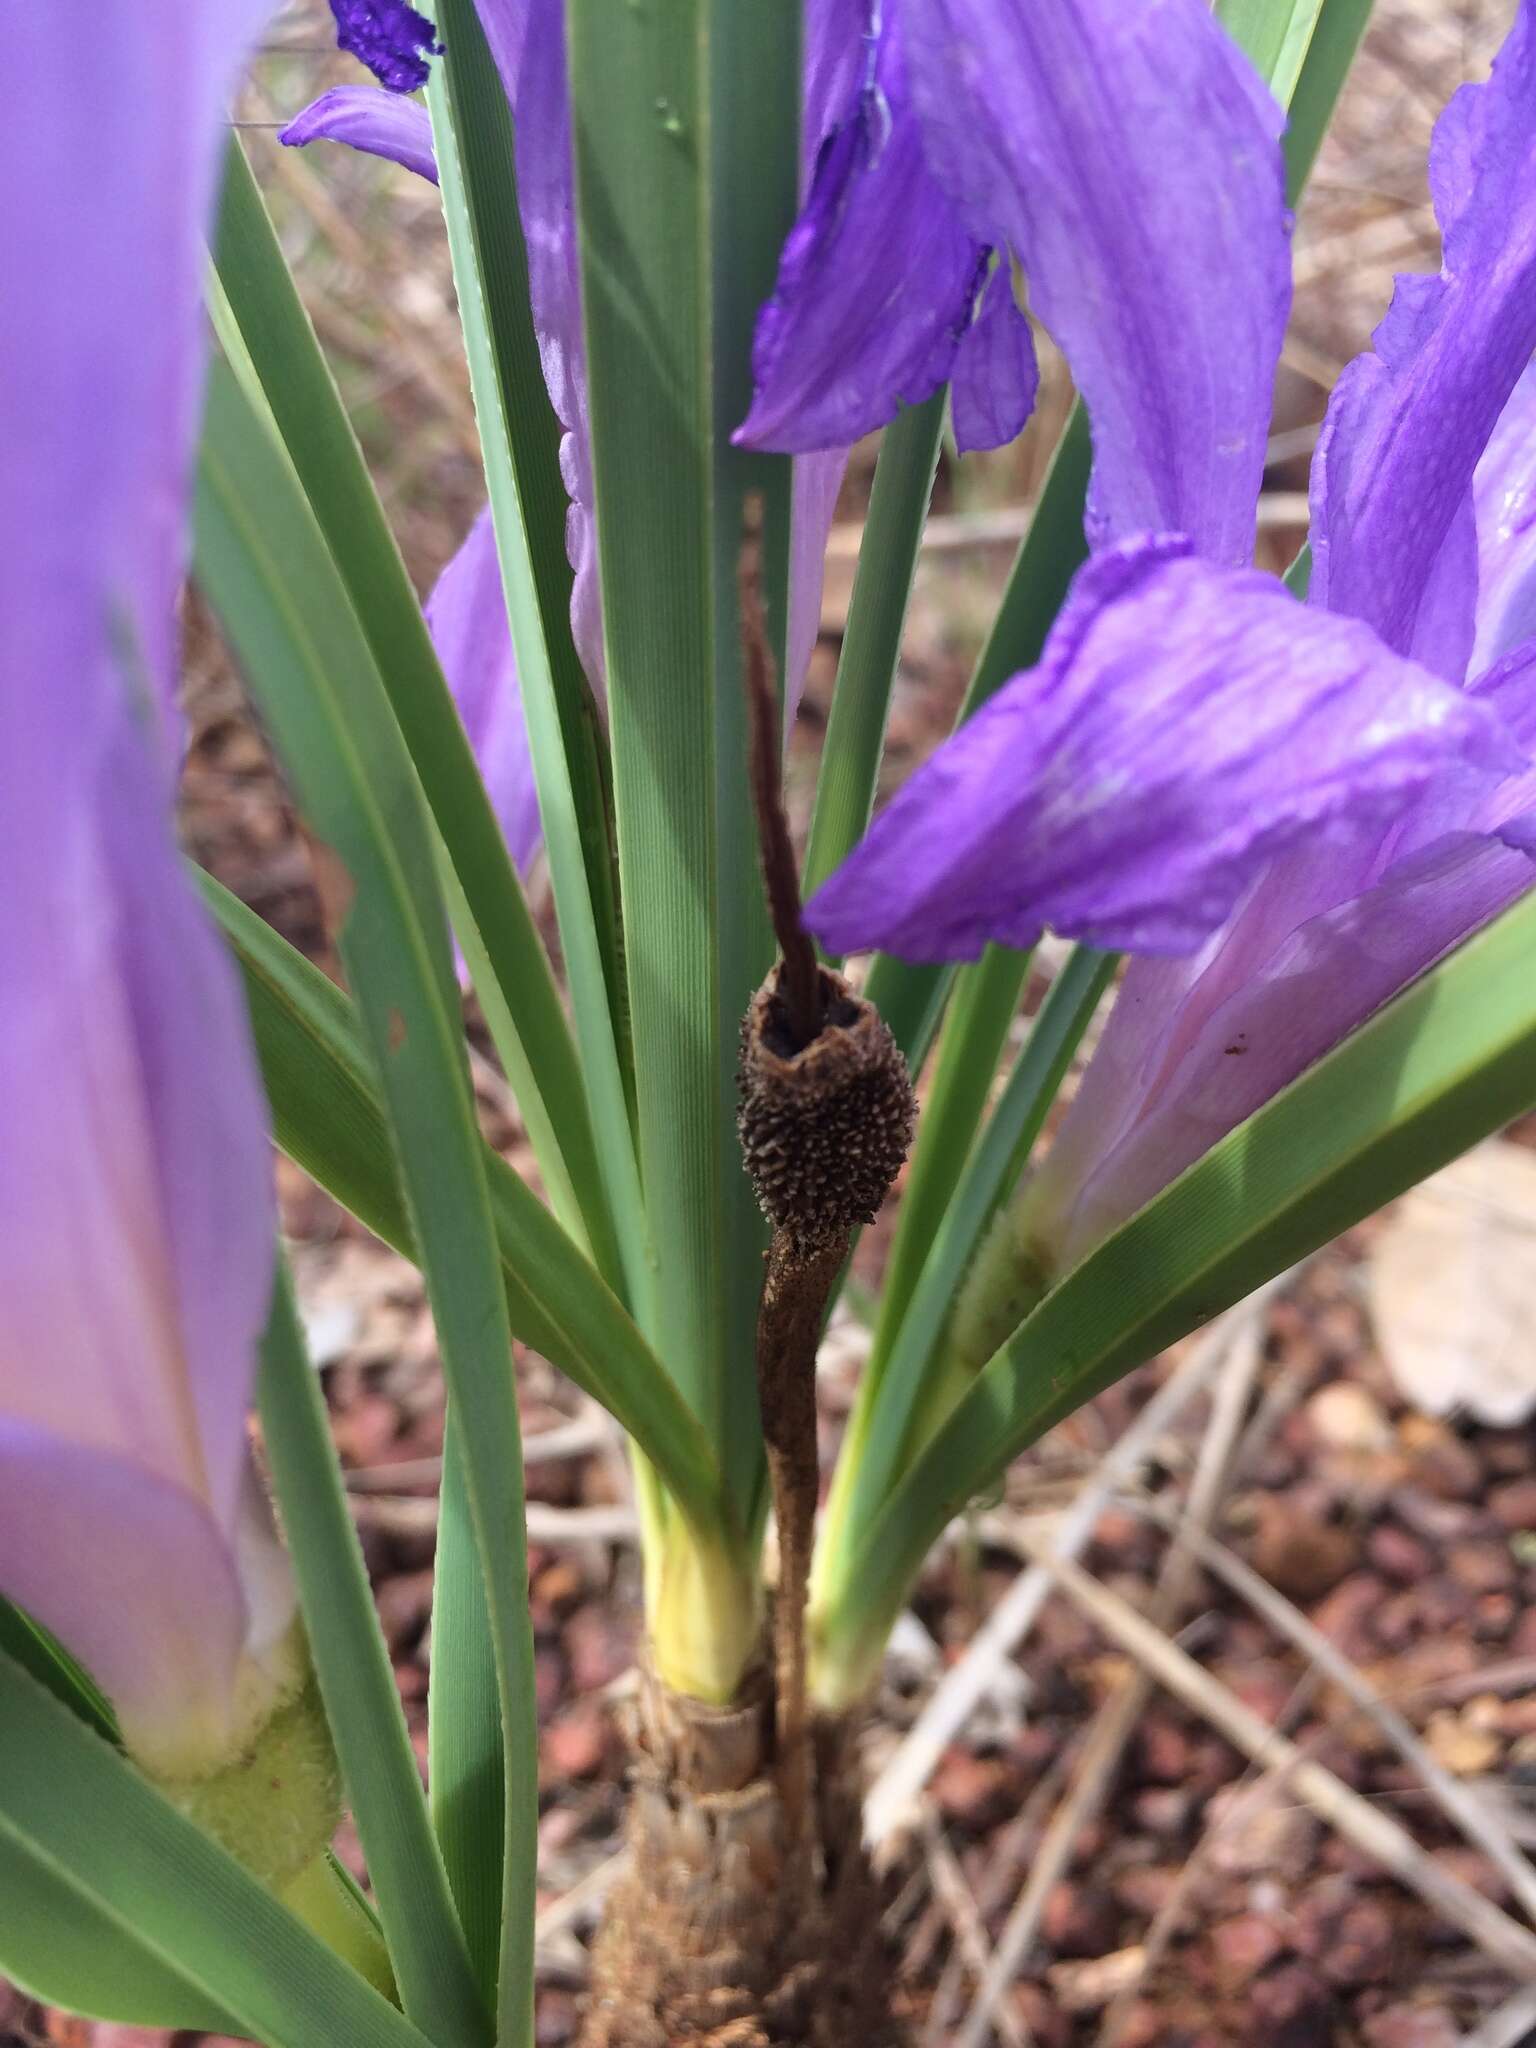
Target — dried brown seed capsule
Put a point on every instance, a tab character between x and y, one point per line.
825	1124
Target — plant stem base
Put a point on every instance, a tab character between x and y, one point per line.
726	1931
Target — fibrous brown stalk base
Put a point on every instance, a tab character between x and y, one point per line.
722	1933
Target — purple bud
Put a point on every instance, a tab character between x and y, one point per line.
391	38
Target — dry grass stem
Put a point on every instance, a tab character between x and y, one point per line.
961	1906
413	1515
893	1798
1458	1801
1511	2025
1117	1720
1253	1791
1366	1827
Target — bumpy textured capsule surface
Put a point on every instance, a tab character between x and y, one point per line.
825	1124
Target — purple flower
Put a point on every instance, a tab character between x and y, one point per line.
379	123
1309	805
1504	497
1128	158
136	1223
877	287
1393	515
391	38
1185	725
468	617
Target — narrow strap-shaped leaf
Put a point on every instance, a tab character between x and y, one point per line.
62	1950
522	1003
685	177
1276	34
1336	37
991	1174
357	1684
750	195
889	1415
264	565
472	131
1450	1060
866	671
976	1027
465	1765
328	1118
35	1650
105	1846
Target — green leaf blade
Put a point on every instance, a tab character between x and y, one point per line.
514	972
328	1118
357	1684
472	133
466	1761
265	567
1450	1060
109	1852
1275	35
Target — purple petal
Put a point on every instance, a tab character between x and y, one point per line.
105	484
1408	423
1504	493
1130	157
817	481
527	39
135	1173
379	123
1324	937
391	38
129	1570
1185	725
135	1180
1179	1066
468	617
1509	688
995	377
876	281
834	59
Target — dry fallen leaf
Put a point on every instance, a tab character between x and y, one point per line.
1463	1746
1453	1287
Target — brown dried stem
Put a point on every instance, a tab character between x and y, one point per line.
801	981
795	1290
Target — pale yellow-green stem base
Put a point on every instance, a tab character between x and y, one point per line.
1008	1277
704	1607
832	1526
321	1897
841	1674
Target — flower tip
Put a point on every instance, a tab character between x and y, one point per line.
390	37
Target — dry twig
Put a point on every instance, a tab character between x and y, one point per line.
1460	1804
894	1795
1366	1827
1511	2025
1117	1719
